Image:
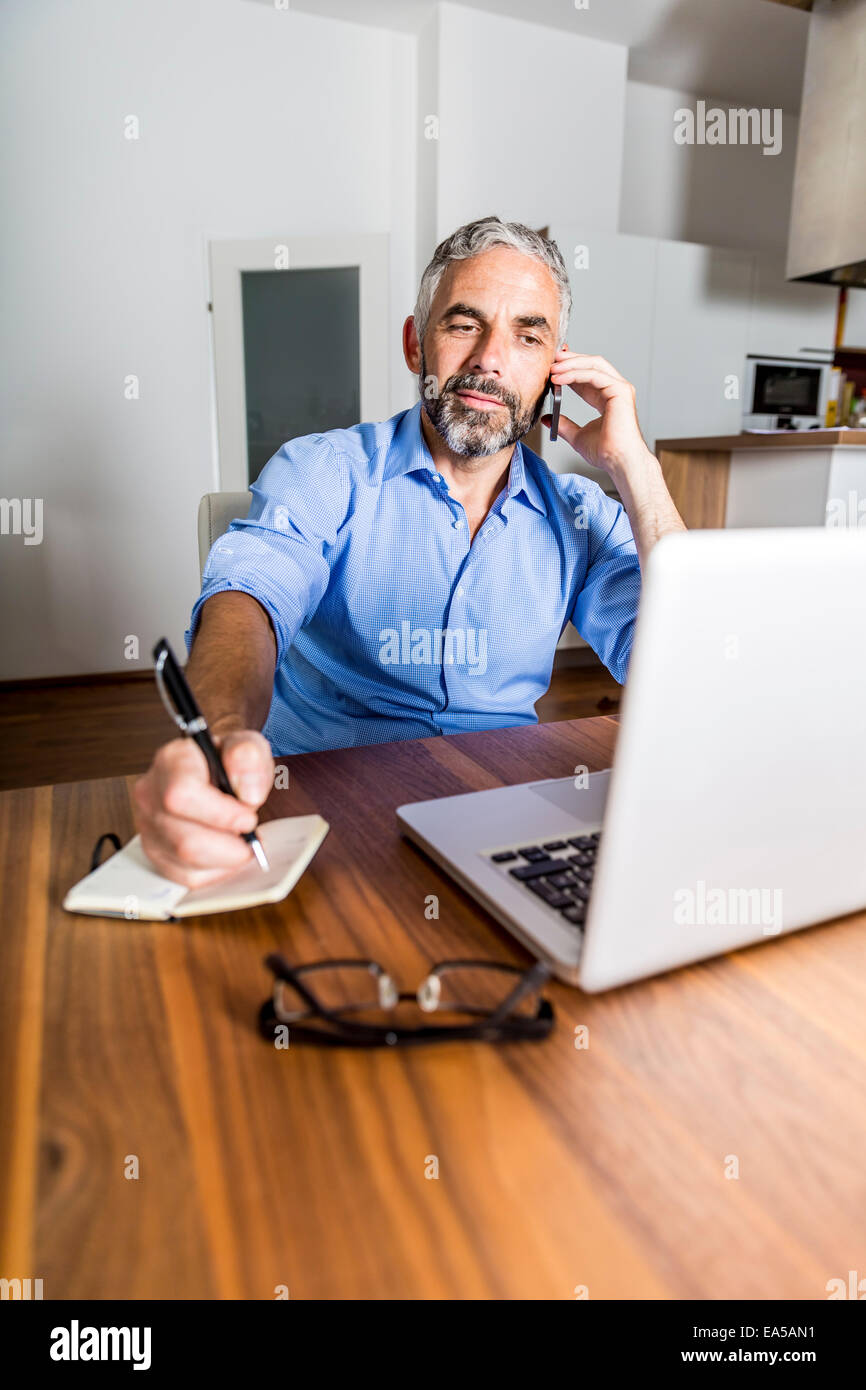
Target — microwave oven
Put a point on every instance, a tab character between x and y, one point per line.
785	392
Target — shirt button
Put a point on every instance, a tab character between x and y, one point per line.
460	591
457	523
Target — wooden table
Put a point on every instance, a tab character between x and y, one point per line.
559	1168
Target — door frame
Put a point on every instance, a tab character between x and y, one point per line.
227	260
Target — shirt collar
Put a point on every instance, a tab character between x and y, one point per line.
409	452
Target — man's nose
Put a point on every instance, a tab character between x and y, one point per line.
488	356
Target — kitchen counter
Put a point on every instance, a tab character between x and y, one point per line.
789	478
781	439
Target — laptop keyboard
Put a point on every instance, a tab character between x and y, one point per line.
557	872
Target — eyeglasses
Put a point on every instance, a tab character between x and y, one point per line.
356	1003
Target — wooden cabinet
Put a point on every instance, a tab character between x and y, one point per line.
810	478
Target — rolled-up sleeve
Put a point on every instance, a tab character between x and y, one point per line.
280	553
605	609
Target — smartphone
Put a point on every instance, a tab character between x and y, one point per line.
554	414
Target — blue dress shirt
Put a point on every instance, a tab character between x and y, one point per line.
389	624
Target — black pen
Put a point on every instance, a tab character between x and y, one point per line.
180	703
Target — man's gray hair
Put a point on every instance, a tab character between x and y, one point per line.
475	237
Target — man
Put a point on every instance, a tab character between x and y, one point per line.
413	577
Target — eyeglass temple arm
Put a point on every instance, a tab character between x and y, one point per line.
536	975
283	971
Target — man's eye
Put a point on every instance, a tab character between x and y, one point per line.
528	338
463	327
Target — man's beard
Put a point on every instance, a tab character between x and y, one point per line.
476	433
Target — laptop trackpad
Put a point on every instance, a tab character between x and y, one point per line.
585	803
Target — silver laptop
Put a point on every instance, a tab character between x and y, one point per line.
736	807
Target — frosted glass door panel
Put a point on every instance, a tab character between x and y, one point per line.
302	355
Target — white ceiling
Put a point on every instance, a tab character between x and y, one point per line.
747	51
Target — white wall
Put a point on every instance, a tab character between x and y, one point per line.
427	143
531	122
720	195
254	121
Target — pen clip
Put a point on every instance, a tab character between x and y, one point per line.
164	695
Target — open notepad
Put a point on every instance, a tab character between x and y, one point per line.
127	885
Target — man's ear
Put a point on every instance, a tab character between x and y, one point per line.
411	346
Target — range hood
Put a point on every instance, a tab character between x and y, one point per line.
827	236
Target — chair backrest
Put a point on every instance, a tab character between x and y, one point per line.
216	512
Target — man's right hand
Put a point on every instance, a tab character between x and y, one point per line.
189	829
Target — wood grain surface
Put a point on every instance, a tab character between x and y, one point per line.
560	1169
779	439
698	483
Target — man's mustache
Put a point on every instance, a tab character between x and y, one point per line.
461	384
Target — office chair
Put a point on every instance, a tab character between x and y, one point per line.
216	512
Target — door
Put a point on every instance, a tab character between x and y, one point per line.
300	343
